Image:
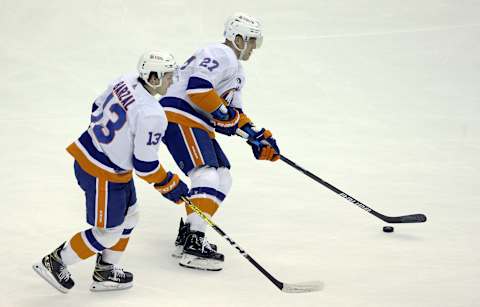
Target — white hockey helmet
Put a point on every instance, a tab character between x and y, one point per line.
244	25
155	61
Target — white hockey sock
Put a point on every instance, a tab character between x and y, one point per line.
196	222
68	255
111	256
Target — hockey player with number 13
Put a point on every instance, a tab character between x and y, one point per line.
126	127
207	99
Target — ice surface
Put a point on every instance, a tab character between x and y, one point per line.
379	98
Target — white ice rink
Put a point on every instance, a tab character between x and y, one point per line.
381	98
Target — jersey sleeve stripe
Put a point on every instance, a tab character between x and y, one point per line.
144	167
158	176
208	101
198	83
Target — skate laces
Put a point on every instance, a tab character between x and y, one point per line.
117	272
205	245
64	273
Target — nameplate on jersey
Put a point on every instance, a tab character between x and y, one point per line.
123	94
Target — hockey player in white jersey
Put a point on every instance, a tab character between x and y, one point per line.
127	125
207	99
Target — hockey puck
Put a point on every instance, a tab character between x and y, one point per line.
388	229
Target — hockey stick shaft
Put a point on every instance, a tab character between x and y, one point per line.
242	252
280	285
412	218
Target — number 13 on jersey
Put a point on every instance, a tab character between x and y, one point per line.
105	133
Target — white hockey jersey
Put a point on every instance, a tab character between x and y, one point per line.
127	125
216	64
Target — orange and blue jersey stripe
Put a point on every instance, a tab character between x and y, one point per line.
180	112
95	162
202	93
150	171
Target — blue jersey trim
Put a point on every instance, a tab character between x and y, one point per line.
144	166
182	105
86	140
196	83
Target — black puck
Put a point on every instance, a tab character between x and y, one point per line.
388	229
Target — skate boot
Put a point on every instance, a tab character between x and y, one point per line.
52	269
198	254
183	231
108	277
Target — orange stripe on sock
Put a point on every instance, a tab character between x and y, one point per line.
206	205
121	245
80	248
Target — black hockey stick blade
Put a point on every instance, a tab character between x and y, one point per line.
303	287
412	218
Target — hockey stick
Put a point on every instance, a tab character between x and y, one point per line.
412	218
303	287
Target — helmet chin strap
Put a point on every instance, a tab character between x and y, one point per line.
242	51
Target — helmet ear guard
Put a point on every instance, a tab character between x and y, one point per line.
158	62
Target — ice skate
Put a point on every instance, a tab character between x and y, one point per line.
198	254
183	231
108	277
54	271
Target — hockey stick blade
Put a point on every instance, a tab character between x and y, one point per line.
304	287
288	288
413	218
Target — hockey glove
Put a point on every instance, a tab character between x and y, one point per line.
172	188
226	120
264	146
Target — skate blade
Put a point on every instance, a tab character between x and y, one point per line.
178	252
109	286
48	277
198	263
